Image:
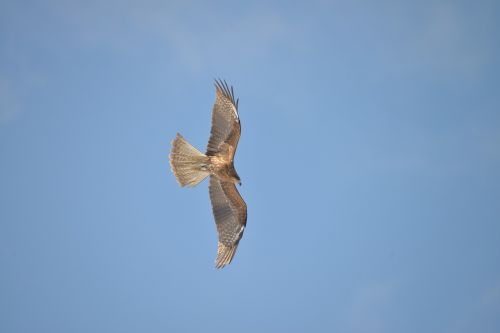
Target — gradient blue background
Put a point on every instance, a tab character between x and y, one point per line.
370	161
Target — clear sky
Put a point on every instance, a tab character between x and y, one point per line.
370	162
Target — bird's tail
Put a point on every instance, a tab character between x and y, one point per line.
188	164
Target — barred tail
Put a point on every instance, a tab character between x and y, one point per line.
188	164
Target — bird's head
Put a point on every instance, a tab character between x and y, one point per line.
234	175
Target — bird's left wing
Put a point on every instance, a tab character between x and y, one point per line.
230	213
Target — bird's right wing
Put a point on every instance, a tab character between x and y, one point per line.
226	129
230	213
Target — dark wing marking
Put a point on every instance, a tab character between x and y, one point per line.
226	128
230	213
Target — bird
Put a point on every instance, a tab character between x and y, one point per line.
190	167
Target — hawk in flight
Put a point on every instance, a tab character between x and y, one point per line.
190	167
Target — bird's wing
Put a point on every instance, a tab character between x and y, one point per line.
226	128
230	212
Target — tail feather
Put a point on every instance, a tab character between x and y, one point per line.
188	164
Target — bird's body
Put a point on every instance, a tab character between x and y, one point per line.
190	167
224	170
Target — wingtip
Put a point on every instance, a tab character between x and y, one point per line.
218	83
226	90
225	255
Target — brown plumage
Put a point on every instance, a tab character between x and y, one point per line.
190	167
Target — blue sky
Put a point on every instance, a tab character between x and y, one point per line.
370	162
